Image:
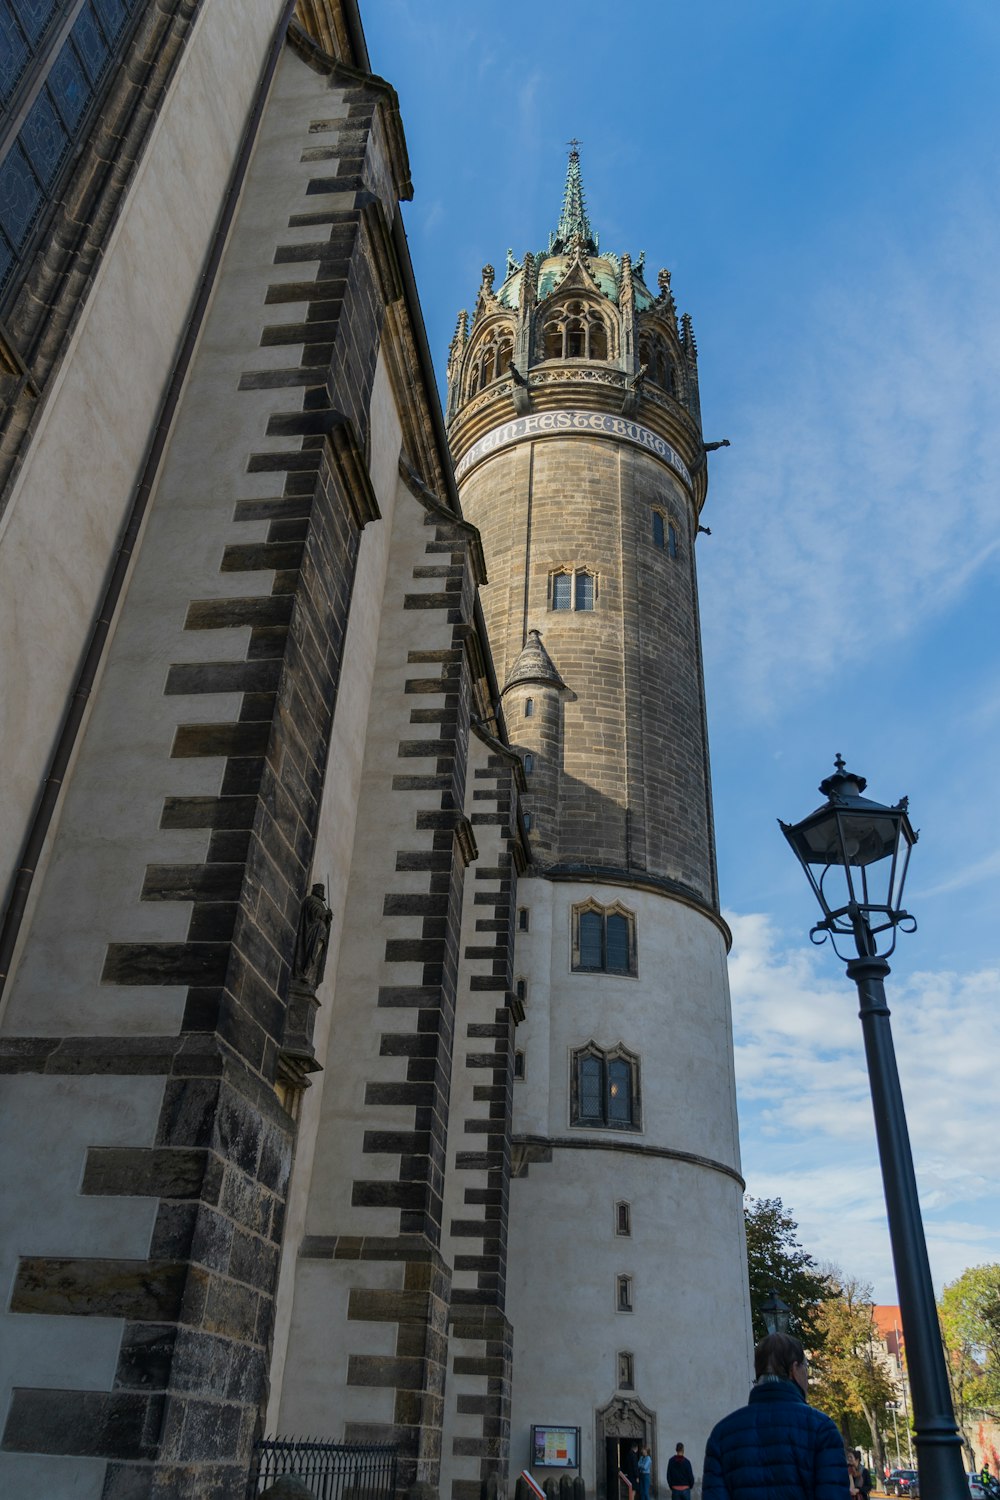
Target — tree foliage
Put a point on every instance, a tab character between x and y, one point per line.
850	1379
777	1263
970	1322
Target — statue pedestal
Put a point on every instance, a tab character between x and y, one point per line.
297	1058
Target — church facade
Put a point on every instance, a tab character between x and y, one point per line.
367	1065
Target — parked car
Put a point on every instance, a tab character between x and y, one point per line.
976	1490
902	1482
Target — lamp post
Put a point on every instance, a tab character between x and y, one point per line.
776	1314
855	854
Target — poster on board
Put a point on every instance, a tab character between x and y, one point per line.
555	1447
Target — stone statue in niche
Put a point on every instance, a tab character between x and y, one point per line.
312	939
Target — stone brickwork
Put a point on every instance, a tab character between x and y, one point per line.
386	1136
479	1148
631	745
197	1312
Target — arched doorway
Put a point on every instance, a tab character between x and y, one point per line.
623	1422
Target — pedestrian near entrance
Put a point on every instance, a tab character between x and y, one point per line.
680	1475
777	1447
645	1467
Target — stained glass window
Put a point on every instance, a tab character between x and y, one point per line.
58	86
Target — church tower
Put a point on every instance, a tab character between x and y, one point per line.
575	427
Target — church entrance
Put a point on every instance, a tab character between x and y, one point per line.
624	1427
622	1456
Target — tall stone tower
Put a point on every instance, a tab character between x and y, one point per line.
575	426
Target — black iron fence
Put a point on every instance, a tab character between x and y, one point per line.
332	1471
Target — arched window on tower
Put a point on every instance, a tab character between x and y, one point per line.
490	360
575	331
603	939
573	588
654	354
576	339
604	1088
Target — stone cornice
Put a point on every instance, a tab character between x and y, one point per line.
531	1144
639	880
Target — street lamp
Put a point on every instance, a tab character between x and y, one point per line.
855	853
776	1314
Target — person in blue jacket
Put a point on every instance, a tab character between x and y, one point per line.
778	1447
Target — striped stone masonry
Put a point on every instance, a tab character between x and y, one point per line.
198	1313
479	1151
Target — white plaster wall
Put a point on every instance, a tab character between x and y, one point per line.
46	1125
335	838
109	828
62	522
689	1332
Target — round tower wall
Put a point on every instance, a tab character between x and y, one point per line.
633	783
676	1175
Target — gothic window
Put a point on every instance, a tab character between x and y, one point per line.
626	1368
573	589
575	331
529	707
603	939
527	821
604	1089
51	82
521	989
654	354
562	590
522	919
664	534
490	359
623	1293
518	1064
529	763
623	1218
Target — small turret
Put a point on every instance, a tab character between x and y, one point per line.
533	697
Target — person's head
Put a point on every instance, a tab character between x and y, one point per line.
779	1354
680	1449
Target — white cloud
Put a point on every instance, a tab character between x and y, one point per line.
806	1118
861	493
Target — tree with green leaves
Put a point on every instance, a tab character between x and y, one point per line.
970	1323
777	1263
851	1381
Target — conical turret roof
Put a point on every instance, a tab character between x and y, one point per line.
534	664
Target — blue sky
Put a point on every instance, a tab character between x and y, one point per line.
823	181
